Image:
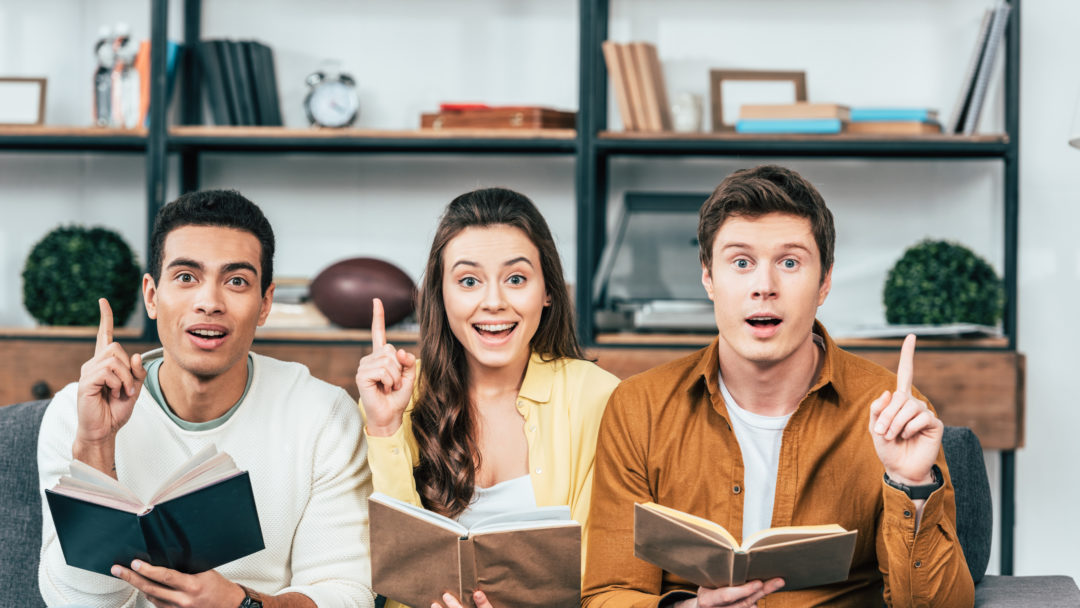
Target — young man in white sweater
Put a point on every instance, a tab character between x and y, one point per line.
138	418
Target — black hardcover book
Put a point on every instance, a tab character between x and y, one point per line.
214	83
266	94
270	86
229	75
241	82
193	532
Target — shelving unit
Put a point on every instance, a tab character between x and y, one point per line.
593	148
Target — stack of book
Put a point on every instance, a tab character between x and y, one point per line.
638	81
792	118
894	121
240	82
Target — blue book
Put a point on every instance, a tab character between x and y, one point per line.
893	115
789	125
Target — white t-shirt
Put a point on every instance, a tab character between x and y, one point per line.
511	495
759	440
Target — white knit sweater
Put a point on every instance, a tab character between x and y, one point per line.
299	439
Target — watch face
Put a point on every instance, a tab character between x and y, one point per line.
333	104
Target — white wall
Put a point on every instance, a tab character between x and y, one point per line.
409	56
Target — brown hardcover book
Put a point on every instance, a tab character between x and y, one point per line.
528	558
644	66
615	68
666	123
799	109
510	117
706	554
635	86
894	127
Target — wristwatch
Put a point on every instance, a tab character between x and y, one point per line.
251	599
919	492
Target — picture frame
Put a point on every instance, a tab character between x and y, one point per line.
22	101
731	89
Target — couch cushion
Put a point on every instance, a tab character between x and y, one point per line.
20	504
974	509
1027	591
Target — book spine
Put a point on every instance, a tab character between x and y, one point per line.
986	66
740	565
812	125
648	86
213	83
956	120
615	69
892	115
467	570
270	87
633	85
666	122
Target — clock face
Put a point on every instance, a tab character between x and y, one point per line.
333	104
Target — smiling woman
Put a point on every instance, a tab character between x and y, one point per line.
504	393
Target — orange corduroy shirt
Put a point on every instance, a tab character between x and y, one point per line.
666	437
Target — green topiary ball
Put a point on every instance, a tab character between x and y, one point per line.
69	269
937	282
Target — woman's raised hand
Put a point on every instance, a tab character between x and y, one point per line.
385	379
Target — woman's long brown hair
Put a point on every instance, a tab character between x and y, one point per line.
444	421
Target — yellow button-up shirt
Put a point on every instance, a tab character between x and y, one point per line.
562	402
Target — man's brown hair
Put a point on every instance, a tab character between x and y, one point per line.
760	191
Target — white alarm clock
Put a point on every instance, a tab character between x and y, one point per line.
332	100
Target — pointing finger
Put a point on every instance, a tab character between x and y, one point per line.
378	325
906	369
105	327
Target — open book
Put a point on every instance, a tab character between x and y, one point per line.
706	554
522	558
201	517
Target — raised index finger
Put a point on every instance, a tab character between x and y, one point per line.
906	369
378	324
105	327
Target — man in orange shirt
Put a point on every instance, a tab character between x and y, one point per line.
773	425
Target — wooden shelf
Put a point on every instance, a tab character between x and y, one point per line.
331	334
281	139
838	145
75	139
76	333
699	340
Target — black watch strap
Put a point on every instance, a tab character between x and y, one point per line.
919	492
251	599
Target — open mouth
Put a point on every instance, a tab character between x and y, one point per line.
763	321
207	337
494	330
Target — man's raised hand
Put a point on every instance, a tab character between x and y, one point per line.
384	379
109	385
906	434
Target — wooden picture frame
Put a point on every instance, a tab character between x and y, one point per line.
757	86
22	101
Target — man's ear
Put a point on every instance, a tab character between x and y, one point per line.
267	302
149	292
826	286
706	280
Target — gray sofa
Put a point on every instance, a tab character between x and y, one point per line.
20	512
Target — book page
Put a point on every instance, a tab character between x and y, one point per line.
420	513
693	520
774	536
93	478
197	473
